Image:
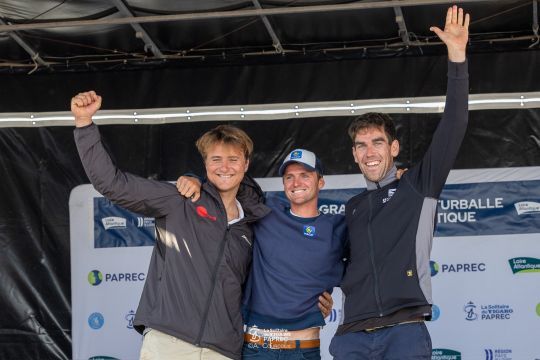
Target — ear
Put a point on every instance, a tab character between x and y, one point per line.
246	166
394	148
354	155
321	183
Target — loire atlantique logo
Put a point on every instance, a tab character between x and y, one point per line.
95	277
113	222
524	265
527	207
445	354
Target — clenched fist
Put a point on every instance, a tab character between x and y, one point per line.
84	106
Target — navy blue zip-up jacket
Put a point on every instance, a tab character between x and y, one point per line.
391	225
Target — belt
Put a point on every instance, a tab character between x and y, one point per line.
282	344
370	330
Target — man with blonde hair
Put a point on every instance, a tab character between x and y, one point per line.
190	305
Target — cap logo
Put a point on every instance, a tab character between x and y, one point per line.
296	155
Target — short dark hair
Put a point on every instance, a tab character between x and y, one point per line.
373	120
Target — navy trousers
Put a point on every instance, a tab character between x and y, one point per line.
400	342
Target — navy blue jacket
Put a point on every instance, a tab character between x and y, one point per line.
391	225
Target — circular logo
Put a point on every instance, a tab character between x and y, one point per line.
96	320
95	277
538	309
434	268
435	312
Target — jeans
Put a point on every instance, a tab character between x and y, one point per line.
400	342
255	351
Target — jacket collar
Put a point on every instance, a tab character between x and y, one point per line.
250	196
388	178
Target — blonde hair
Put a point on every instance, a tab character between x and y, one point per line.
226	134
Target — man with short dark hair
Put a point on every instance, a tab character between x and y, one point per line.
190	307
387	284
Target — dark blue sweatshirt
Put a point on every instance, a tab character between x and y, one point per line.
294	261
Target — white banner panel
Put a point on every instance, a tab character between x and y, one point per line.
485	267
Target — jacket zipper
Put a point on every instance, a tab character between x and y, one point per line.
372	257
214	280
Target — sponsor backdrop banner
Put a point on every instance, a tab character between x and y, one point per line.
485	267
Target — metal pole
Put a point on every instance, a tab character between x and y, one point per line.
270	29
35	56
139	31
232	14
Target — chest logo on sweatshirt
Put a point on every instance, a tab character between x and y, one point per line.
202	212
391	193
309	230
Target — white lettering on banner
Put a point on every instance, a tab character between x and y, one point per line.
332	209
455	217
465	204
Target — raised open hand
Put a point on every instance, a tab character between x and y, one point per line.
455	34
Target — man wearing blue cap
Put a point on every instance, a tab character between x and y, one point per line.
297	255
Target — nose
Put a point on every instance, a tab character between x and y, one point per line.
370	150
225	165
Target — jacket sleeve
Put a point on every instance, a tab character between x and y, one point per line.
144	196
431	173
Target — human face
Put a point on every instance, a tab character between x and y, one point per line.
301	187
373	154
225	167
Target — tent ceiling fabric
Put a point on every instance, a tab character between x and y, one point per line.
502	25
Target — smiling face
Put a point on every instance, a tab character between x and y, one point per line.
373	153
226	165
302	187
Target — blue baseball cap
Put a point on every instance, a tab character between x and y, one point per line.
305	157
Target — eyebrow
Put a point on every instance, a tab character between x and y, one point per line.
380	138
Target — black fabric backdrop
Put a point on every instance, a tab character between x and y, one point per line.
40	166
